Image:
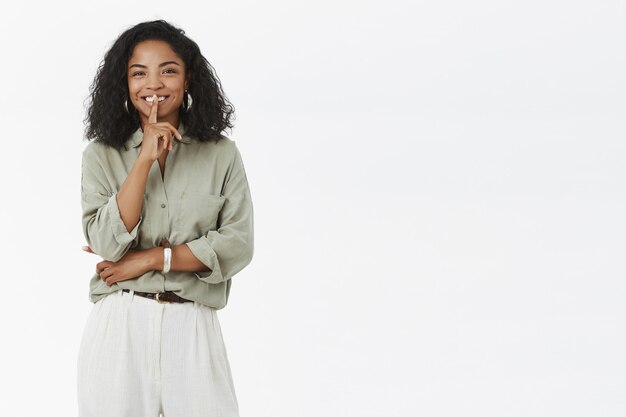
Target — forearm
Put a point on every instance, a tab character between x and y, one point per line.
182	259
130	195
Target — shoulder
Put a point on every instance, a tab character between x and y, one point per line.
98	153
94	151
224	142
223	147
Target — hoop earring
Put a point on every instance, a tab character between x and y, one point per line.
126	106
189	102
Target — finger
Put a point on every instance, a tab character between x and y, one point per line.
106	273
172	129
112	279
166	135
101	266
152	118
170	140
88	249
164	144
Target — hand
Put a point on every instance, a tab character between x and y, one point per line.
157	136
132	265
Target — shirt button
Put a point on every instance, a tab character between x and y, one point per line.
163	205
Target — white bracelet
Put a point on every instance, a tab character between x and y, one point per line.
167	260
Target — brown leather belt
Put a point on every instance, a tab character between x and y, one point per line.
162	297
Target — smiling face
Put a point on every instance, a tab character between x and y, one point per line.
154	68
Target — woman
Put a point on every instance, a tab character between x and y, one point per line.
171	234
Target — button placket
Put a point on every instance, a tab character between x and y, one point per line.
161	228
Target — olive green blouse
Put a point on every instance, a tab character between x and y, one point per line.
203	201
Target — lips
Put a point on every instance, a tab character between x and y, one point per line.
149	99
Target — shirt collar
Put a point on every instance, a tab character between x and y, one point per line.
137	137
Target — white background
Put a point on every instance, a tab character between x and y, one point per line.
438	191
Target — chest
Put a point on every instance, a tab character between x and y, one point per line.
183	194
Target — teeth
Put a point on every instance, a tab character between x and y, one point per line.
150	99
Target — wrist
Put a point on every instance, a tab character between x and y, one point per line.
156	258
144	164
167	259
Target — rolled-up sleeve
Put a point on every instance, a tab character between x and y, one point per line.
227	250
103	227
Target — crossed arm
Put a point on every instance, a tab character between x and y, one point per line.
137	262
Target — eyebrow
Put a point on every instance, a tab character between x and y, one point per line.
160	65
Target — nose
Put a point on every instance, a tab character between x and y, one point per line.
154	82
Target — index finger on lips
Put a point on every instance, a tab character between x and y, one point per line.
152	118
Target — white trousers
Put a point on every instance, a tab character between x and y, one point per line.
140	358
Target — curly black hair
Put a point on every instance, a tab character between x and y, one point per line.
108	122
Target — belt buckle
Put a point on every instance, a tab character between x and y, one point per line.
156	296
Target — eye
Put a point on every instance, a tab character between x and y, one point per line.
170	71
137	73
